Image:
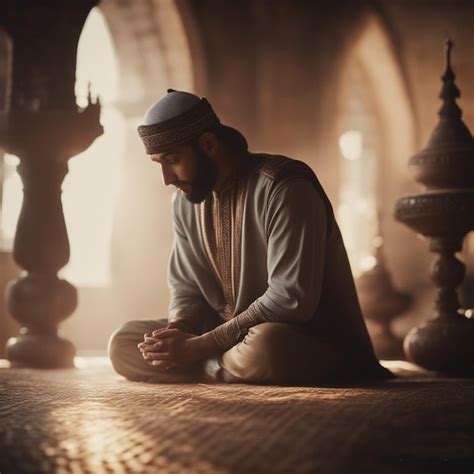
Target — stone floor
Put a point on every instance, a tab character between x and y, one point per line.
89	420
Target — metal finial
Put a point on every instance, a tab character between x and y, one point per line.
89	92
448	72
449	46
449	92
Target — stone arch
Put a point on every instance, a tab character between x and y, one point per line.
8	269
6	54
372	49
6	57
157	45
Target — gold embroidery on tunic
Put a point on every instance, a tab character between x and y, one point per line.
208	236
221	224
280	168
271	166
237	234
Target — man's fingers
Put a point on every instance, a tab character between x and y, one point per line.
159	346
155	355
158	356
152	333
167	333
150	340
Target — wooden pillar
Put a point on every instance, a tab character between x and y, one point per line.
44	128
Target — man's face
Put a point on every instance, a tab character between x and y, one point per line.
189	169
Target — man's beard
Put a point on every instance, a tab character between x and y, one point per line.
205	179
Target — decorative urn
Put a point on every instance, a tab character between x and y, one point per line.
444	214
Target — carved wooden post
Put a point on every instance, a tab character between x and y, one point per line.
44	128
444	214
40	300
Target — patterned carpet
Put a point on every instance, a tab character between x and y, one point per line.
90	420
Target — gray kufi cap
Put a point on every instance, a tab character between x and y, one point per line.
175	119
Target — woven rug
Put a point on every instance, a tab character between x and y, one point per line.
91	421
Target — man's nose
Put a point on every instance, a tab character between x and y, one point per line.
168	176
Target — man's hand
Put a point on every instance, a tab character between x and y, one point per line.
174	348
147	347
170	348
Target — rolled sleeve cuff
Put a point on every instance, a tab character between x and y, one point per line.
231	332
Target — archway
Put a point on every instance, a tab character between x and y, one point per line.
7	162
91	187
375	104
9	203
5	69
151	45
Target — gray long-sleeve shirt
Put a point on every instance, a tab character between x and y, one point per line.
265	248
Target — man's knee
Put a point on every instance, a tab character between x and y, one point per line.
262	356
122	347
124	335
119	346
270	339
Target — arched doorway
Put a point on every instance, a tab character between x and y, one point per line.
377	134
138	215
7	162
150	63
5	69
8	177
91	187
359	143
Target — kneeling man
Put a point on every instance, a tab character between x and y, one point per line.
261	287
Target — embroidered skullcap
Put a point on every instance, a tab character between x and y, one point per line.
175	119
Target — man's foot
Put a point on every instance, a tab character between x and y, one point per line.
217	374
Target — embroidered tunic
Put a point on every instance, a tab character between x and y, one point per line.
265	248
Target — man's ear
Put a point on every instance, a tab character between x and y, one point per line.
208	143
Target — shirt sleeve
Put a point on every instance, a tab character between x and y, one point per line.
296	225
187	303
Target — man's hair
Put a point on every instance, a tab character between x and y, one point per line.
231	138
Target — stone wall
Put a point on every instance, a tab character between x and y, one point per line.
275	70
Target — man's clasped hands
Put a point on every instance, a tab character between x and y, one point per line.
173	348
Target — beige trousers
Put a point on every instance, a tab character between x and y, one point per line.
274	353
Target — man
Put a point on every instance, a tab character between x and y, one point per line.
259	277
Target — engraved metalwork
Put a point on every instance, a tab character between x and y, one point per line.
444	214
